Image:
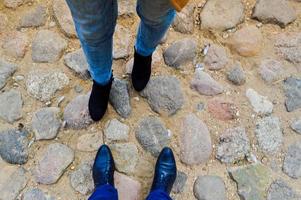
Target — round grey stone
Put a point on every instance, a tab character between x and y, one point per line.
14	146
7	69
269	134
49	50
179	185
195	141
77	62
164	94
216	57
81	179
34	17
76	113
36	194
233	145
180	52
116	131
52	163
236	74
120	98
11	106
209	188
125	156
279	190
296	126
42	85
46	123
152	135
292	161
292	88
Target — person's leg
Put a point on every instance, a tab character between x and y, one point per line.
95	22
103	175
165	175
105	192
156	17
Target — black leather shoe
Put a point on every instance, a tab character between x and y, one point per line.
99	99
165	171
104	167
141	72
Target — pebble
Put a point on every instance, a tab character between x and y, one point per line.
179	185
247	41
122	39
52	163
204	84
269	134
63	16
128	188
280	190
125	157
11	105
184	20
180	52
164	95
152	135
221	15
234	145
81	179
271	70
46	123
34	17
253	181
274	11
209	188
222	109
90	142
12	181
76	113
292	161
77	62
216	57
120	98
296	125
116	131
36	194
42	85
78	88
13	3
261	105
14	146
7	69
15	44
195	141
288	46
236	74
292	89
49	50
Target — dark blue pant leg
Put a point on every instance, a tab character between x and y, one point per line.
104	192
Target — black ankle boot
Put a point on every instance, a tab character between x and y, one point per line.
99	99
165	171
104	167
141	71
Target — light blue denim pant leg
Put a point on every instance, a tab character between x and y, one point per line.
95	22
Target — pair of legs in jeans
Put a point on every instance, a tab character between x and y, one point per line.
95	22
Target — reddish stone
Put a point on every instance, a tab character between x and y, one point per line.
222	110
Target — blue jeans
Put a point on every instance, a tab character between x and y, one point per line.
95	22
108	192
